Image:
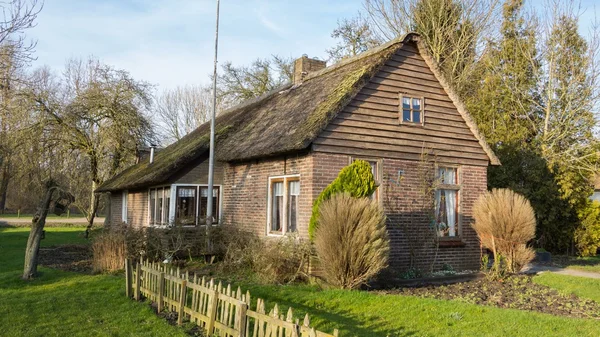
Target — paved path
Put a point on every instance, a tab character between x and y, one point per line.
536	268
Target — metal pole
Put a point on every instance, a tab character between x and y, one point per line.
211	156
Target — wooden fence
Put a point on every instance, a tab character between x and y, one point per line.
220	310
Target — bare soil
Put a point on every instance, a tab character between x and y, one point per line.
516	292
77	258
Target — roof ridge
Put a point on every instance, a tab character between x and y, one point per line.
365	54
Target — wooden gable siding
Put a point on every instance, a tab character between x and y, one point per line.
370	124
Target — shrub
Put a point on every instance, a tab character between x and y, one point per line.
587	235
505	222
351	241
279	261
109	251
356	179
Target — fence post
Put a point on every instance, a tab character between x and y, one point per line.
138	272
161	290
212	312
243	308
128	271
182	298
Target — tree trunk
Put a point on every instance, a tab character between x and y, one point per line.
35	235
4	178
94	200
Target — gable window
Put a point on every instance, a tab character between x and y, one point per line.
159	202
446	201
185	205
411	109
283	202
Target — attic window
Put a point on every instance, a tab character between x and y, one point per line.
411	110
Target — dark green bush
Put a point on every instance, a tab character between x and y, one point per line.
355	179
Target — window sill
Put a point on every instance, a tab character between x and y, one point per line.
451	243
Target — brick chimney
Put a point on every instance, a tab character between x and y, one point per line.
304	65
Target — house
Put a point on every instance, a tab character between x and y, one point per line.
276	153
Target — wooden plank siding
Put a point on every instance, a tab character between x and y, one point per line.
370	124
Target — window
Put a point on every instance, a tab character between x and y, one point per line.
152	206
411	109
203	206
159	203
284	193
446	202
375	170
185	208
124	197
293	193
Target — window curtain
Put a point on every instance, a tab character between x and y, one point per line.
451	211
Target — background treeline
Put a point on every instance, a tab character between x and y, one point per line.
527	73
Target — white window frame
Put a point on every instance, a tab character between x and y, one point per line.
284	226
173	206
124	197
162	188
456	187
401	108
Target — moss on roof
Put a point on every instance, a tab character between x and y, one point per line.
282	121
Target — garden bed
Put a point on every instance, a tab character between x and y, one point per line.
77	258
515	292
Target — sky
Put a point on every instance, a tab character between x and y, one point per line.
171	43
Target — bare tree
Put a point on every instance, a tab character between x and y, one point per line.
355	36
97	115
237	84
453	30
181	110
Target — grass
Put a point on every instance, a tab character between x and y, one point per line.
590	263
359	313
50	216
67	304
583	287
61	303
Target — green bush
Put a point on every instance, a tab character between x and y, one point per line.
587	236
355	179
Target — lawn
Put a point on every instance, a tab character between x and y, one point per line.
580	286
67	304
61	303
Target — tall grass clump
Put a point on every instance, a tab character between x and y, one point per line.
505	223
109	250
351	241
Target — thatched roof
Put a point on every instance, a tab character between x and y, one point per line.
282	121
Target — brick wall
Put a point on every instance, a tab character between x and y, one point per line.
246	188
408	222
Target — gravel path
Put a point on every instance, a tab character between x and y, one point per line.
536	268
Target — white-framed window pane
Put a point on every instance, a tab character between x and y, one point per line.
406	103
203	203
416	104
416	116
186	205
152	206
448	175
293	193
167	204
159	205
277	207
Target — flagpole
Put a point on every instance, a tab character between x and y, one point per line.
211	156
